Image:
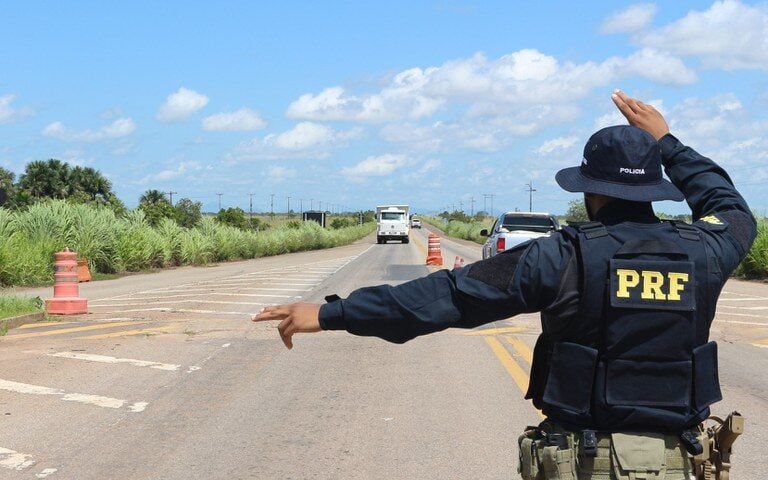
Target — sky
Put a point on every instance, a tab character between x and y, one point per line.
348	104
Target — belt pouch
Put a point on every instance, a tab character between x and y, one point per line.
528	468
558	464
640	456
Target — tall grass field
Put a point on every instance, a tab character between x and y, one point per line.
127	243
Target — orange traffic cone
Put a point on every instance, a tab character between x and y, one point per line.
83	273
434	256
66	299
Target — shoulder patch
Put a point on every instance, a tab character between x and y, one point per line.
712	219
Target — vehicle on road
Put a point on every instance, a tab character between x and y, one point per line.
415	223
392	223
513	228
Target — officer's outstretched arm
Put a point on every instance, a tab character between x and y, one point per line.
295	318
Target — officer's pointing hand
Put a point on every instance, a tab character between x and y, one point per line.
296	318
641	114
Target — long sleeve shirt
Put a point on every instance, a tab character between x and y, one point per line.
541	275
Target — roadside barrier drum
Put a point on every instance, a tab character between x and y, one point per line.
458	262
66	292
434	255
83	273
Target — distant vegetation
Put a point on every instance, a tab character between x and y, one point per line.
115	242
755	265
460	225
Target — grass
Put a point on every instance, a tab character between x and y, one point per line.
115	244
755	264
457	229
14	306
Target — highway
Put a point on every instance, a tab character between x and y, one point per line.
167	378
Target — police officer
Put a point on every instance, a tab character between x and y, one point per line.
624	367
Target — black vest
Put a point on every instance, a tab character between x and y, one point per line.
636	355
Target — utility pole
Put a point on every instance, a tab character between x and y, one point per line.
311	203
485	197
530	195
250	207
271	204
170	195
301	206
471	206
288	199
461	207
320	205
219	194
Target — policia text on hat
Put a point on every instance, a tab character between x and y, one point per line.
626	303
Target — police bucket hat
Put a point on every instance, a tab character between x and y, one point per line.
621	162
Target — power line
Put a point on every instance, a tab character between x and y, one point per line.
530	195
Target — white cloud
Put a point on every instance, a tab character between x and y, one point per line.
484	87
379	166
729	35
560	143
304	140
9	114
632	19
243	120
280	173
121	127
181	105
172	173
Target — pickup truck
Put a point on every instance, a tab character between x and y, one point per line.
513	228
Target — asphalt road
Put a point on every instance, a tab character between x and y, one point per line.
167	379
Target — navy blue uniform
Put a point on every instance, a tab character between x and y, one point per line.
618	351
545	275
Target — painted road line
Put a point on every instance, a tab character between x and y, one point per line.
42	324
46	472
13	460
105	359
495	331
747	299
744	308
160	300
512	367
130	333
738	322
759	345
521	348
97	400
169	310
63	331
514	370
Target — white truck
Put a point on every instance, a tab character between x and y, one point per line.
392	223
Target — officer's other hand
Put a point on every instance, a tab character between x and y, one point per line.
296	318
641	114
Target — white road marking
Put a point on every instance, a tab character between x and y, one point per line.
98	400
138	407
226	345
737	322
179	310
759	345
193	368
13	460
46	472
744	308
175	302
105	359
750	299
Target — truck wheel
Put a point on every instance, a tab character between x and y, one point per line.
378	240
406	240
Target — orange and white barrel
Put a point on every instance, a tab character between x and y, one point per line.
66	291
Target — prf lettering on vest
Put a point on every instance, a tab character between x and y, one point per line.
652	284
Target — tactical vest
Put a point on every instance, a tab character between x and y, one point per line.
636	355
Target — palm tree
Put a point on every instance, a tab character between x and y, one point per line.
90	182
152	196
46	179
